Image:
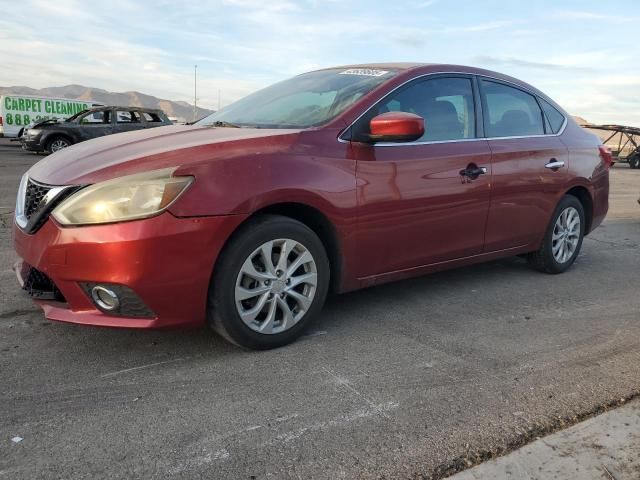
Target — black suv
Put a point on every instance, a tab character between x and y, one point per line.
53	135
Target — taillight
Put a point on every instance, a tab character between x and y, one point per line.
606	156
1	121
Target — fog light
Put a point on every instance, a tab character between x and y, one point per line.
105	298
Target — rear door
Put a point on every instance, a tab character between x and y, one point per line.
529	163
95	124
415	206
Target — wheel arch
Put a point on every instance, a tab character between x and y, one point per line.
318	222
56	134
585	198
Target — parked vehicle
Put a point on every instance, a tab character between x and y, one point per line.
52	135
627	147
18	111
333	180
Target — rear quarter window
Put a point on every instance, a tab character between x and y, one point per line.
554	118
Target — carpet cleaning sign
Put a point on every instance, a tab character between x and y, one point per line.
18	111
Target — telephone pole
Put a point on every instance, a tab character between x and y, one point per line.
195	90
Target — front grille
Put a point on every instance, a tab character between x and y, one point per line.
34	198
35	202
38	284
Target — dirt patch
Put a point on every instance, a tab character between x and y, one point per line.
476	457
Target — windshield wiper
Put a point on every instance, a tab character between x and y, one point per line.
222	123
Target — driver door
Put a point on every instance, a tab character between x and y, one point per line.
95	124
415	208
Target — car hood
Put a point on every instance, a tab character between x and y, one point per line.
44	123
122	154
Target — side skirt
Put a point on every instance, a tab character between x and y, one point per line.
440	266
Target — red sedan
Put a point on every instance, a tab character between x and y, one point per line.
333	180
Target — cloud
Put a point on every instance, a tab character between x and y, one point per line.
242	45
426	3
272	5
482	27
105	62
579	15
515	62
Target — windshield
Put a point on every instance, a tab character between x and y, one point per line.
73	117
304	101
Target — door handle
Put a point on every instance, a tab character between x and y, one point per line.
473	171
554	164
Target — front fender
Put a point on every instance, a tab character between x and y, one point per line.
314	172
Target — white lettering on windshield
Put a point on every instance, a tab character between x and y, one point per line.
367	72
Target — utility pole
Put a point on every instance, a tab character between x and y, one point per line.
195	90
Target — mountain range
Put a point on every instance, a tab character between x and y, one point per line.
180	110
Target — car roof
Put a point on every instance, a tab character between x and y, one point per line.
420	68
416	68
119	107
390	65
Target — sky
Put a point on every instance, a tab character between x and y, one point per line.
581	53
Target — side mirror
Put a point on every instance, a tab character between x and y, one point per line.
396	127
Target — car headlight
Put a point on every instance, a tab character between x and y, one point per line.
32	132
126	198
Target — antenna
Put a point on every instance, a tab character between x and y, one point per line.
195	90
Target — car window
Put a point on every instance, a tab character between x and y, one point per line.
303	101
95	117
151	117
554	118
125	116
446	104
300	107
510	112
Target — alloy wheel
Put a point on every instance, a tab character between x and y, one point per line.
566	235
276	286
58	144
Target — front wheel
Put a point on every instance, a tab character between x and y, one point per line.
563	239
270	282
634	161
58	143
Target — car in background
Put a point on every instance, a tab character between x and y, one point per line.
18	111
333	180
52	135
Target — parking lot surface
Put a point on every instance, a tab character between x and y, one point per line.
407	380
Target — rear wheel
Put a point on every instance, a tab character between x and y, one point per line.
634	161
563	239
269	284
58	143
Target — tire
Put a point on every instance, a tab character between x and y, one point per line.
242	283
545	260
58	142
634	161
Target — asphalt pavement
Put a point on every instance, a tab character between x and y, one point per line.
416	379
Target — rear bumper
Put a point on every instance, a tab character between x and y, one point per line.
166	261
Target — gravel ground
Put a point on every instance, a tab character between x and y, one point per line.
410	380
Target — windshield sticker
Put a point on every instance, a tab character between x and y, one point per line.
366	72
